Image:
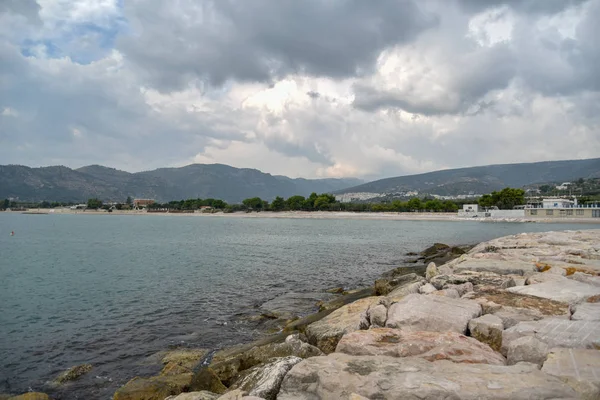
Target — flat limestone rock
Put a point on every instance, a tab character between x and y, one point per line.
326	333
379	377
585	278
500	267
401	291
432	313
556	332
587	312
579	368
526	349
542	277
431	346
567	291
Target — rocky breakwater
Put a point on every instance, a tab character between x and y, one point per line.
514	318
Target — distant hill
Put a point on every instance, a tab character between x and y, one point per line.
481	180
193	181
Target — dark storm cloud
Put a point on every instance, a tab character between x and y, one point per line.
524	6
27	8
261	40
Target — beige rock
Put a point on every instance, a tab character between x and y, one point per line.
233	395
379	377
432	313
384	286
326	333
207	379
462	289
579	368
544	277
487	329
431	346
452	293
401	291
587	312
431	271
377	315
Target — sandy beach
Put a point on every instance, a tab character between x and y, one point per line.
315	215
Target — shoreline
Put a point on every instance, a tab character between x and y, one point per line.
392	216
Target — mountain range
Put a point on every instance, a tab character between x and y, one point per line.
482	180
231	184
218	181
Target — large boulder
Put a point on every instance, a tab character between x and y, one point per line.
479	280
265	380
567	291
556	332
206	379
227	364
431	271
326	333
337	375
585	278
432	313
401	291
487	329
431	346
154	388
202	395
579	368
587	312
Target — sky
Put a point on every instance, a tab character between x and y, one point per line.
312	88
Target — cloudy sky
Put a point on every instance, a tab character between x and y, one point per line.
312	88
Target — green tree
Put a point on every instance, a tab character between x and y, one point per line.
295	202
94	203
254	203
414	204
486	201
278	204
219	204
6	204
129	201
505	199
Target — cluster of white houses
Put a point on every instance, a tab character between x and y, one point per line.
547	208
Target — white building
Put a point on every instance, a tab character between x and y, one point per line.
470	208
559	203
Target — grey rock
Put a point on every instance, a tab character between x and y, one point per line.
432	313
556	332
587	312
478	279
385	285
404	290
528	349
567	291
377	315
264	380
511	316
427	289
462	289
379	377
487	329
431	271
579	368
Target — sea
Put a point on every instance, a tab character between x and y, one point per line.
116	290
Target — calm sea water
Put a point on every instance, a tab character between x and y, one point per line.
113	290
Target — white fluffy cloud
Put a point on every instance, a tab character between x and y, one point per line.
313	89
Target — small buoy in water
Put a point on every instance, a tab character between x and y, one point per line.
12	233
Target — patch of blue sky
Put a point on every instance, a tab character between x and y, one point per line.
83	42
